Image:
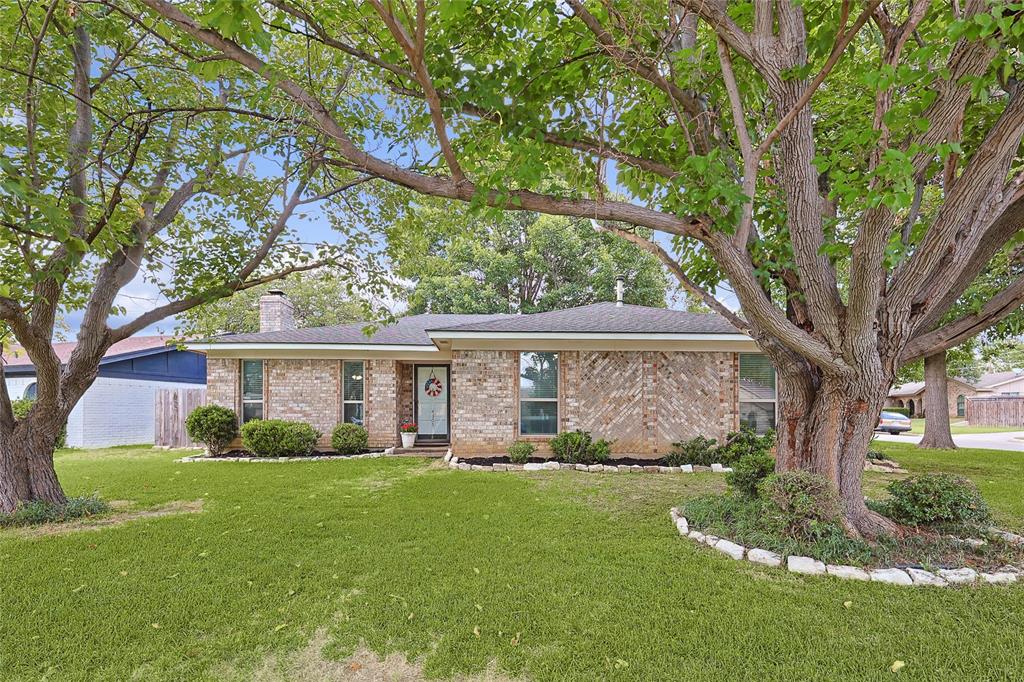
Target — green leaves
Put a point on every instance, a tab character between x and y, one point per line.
238	20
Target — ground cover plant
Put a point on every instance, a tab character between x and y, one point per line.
457	571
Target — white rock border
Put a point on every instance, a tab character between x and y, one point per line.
308	458
804	565
454	462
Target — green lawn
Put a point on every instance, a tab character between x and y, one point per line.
546	576
957	426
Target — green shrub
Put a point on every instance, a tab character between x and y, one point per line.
213	426
38	511
577	447
931	499
748	472
802	503
21	406
699	451
905	411
349	439
278	438
875	455
741	443
601	450
520	451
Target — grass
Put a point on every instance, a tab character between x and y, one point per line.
957	427
550	575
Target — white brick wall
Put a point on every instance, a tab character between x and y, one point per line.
112	411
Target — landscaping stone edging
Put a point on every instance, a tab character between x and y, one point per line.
804	565
454	463
309	458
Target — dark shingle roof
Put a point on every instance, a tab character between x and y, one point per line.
406	331
604	318
601	318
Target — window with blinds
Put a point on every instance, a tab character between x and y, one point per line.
252	390
757	393
538	393
353	393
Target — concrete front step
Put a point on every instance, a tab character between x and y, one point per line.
424	450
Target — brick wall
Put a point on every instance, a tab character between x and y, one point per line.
304	390
382	403
484	395
222	382
643	401
406	392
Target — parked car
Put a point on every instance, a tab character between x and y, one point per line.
893	422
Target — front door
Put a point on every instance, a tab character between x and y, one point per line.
432	402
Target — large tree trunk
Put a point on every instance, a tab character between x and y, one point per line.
27	473
826	426
936	404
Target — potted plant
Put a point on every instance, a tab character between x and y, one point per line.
409	430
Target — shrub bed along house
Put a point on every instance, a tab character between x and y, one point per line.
279	438
349	439
213	426
578	447
521	451
703	451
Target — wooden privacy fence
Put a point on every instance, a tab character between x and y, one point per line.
1002	410
171	406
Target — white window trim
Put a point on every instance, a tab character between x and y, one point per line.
555	400
774	401
241	388
345	401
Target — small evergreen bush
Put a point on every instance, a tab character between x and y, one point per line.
802	503
20	408
699	451
748	472
935	499
577	447
278	438
520	451
38	511
744	442
905	411
349	439
213	426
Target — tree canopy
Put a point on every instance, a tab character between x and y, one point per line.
321	298
786	147
460	262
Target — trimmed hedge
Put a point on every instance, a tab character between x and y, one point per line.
213	426
905	411
279	438
577	447
934	499
349	439
520	451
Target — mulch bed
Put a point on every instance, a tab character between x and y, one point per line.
617	461
315	453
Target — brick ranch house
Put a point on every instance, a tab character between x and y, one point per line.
643	377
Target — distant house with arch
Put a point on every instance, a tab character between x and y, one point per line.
118	408
911	397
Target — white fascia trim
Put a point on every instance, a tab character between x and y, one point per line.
396	348
587	335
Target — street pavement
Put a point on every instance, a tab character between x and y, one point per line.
1011	440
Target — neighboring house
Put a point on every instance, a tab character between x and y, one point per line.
1002	383
118	408
643	377
911	396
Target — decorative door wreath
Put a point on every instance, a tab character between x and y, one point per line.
432	386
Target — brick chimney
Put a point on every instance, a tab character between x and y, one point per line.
276	312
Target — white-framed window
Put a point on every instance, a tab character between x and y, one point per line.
538	394
252	390
353	391
757	392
